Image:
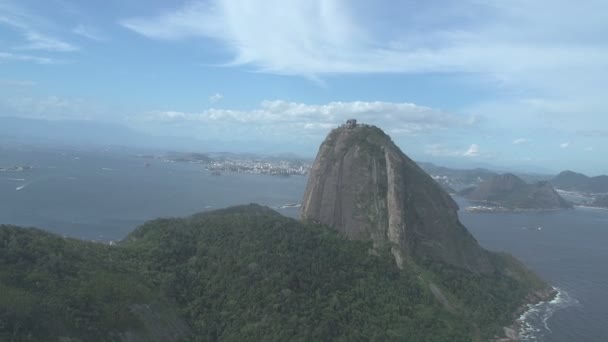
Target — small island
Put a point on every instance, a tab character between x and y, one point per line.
508	192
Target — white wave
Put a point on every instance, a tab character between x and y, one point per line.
106	169
534	322
290	205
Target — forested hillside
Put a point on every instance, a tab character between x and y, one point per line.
243	273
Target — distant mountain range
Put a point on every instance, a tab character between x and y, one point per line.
510	191
572	181
454	180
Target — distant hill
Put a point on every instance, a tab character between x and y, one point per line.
512	192
456	179
459	179
572	181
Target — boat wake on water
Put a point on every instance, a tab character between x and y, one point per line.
534	322
24	185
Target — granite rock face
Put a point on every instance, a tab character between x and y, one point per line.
362	185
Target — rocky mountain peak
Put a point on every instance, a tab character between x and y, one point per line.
365	187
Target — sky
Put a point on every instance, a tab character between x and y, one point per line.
517	83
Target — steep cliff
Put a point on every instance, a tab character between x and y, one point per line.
362	185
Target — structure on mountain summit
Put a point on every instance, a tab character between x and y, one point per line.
351	123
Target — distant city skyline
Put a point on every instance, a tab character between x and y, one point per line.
515	83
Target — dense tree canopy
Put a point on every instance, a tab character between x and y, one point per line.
244	273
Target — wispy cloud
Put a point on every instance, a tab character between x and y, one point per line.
564	145
317	37
89	32
31	28
39	41
9	56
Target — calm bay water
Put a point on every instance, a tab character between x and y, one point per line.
103	196
570	251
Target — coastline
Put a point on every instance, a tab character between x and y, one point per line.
590	207
482	209
513	332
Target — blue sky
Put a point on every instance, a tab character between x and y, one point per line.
508	83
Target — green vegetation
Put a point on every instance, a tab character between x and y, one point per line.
52	286
244	273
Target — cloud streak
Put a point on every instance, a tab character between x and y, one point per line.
31	29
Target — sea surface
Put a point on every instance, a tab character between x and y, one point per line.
104	195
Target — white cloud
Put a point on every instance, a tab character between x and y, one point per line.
551	69
473	151
400	118
589	148
215	98
520	141
333	36
564	145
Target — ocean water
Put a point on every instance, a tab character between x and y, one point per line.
570	251
105	195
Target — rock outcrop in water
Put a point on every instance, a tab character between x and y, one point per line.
366	188
512	192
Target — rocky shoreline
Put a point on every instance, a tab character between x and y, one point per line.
511	333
